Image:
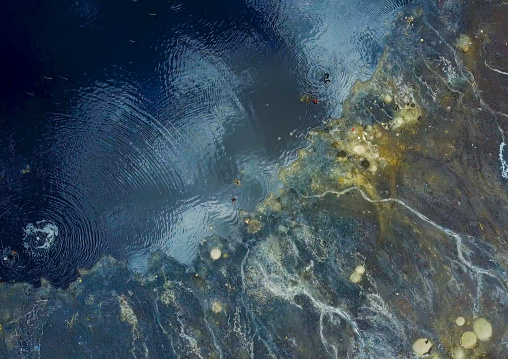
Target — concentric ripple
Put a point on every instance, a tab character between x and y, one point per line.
160	122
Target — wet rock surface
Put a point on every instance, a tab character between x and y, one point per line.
406	192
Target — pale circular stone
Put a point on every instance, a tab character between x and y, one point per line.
399	121
355	277
458	353
378	134
482	329
422	346
215	254
468	340
387	98
216	307
360	269
460	321
359	149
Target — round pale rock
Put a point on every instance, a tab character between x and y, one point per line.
215	254
360	269
482	329
460	321
422	346
359	149
387	98
458	353
216	307
355	277
468	340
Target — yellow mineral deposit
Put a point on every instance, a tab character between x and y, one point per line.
468	340
460	321
216	307
215	253
407	115
360	270
355	277
482	329
464	42
253	226
271	203
422	346
359	149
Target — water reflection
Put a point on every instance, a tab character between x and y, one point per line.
136	133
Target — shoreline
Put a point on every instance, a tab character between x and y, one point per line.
393	186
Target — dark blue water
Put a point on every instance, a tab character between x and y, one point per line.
125	125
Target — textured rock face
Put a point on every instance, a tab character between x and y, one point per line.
422	228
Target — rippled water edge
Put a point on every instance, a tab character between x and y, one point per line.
425	216
129	138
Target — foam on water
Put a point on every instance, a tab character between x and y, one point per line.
41	236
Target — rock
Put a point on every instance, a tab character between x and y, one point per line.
360	270
355	277
216	307
359	149
468	340
215	254
422	346
482	329
460	321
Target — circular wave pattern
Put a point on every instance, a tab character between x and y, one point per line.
139	150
